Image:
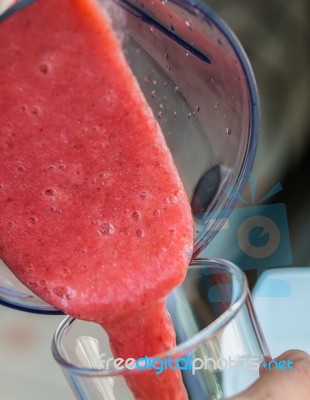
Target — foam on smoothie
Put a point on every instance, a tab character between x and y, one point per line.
94	218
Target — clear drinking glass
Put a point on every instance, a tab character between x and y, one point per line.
215	325
199	83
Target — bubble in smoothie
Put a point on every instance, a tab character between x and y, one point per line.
140	233
136	216
156	213
44	68
63	292
32	220
106	229
50	192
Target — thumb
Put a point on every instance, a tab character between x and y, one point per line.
282	384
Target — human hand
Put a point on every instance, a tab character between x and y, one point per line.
277	384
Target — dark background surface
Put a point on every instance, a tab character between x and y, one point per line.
275	35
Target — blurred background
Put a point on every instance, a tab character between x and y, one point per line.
275	35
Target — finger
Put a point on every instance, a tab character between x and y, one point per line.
283	384
262	369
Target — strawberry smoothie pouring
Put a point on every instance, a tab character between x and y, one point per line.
94	218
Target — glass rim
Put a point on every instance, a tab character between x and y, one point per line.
178	351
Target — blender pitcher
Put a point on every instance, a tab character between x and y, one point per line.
198	82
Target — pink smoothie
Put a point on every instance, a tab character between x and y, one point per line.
94	218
